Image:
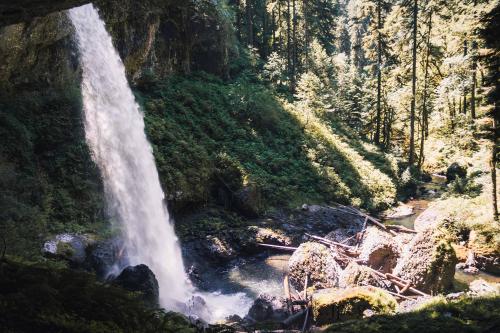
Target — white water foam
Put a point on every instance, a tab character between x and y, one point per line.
114	128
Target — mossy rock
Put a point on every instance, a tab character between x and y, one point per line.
333	305
428	262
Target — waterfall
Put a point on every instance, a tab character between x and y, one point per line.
114	128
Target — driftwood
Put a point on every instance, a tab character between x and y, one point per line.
371	219
279	247
402	229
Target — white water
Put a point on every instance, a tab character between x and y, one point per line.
114	129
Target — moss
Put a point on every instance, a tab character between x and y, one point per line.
337	305
440	316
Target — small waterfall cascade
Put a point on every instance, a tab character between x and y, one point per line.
114	128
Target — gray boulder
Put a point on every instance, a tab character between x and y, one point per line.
318	261
428	262
140	279
379	250
69	247
267	307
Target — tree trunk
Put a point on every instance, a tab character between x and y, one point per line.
411	159
294	43
288	43
464	104
379	71
424	126
493	168
249	14
473	87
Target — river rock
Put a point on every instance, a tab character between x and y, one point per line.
318	261
358	275
480	287
333	305
455	170
428	262
267	307
379	250
140	279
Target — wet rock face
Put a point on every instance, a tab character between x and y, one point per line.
316	260
167	37
379	250
105	255
18	11
428	262
140	279
267	307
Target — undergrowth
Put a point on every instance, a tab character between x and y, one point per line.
204	131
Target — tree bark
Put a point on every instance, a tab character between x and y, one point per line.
411	159
473	87
249	15
493	168
379	71
424	126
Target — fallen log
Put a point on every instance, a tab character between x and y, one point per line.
402	229
330	242
279	247
399	295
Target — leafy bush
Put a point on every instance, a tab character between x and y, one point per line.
37	298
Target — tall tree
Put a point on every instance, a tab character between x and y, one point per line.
411	158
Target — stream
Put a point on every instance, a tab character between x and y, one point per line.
427	193
264	273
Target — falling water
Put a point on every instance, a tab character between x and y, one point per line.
114	129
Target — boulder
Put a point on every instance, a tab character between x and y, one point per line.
480	287
267	307
218	248
454	171
140	279
318	261
357	275
68	247
428	262
247	201
429	218
379	250
333	305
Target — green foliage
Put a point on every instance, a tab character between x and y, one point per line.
49	183
466	315
209	136
465	186
37	298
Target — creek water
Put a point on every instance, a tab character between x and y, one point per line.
114	129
